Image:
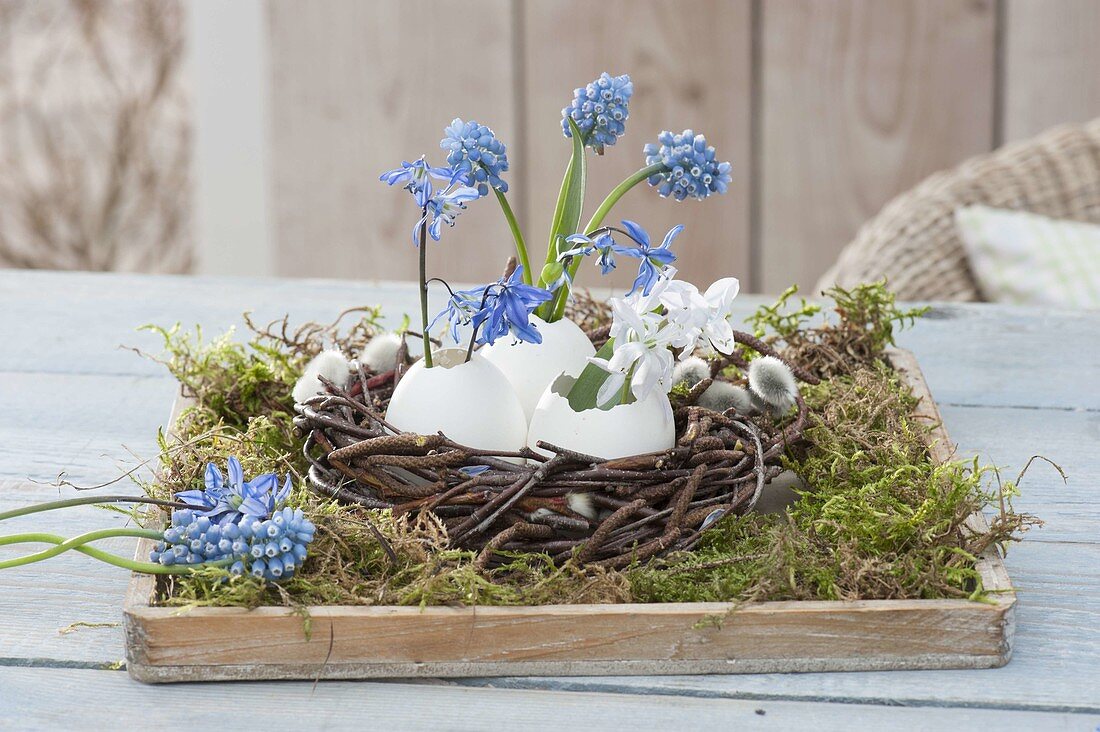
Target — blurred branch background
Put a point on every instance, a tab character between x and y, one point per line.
826	108
94	136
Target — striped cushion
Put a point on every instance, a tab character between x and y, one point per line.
1027	259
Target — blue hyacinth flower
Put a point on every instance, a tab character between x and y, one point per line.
654	259
475	148
690	166
600	110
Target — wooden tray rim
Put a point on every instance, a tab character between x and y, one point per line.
998	607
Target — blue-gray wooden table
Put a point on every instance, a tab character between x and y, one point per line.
1010	382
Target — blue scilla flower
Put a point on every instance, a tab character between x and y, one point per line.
495	310
441	207
475	148
600	110
602	244
506	308
227	500
413	176
472	471
690	166
460	310
654	259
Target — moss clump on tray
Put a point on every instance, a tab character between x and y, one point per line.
881	520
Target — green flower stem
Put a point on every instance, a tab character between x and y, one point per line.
562	297
424	291
618	192
517	235
78	543
627	393
89	500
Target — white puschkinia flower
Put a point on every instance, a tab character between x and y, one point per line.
718	329
330	364
642	351
703	317
643	336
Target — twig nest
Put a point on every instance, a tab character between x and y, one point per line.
472	403
640	427
532	366
331	364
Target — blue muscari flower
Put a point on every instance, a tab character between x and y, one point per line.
475	148
506	308
654	259
603	245
600	110
277	546
690	166
414	176
227	500
272	548
442	207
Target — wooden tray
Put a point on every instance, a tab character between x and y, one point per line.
206	644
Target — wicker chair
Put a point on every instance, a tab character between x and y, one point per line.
913	243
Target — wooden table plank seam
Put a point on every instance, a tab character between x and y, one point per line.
580	686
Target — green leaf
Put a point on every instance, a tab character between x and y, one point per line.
583	394
567	213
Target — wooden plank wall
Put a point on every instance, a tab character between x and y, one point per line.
1051	64
691	63
826	108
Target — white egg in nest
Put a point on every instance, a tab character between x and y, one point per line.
471	402
531	367
643	426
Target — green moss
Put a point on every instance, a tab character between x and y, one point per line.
879	519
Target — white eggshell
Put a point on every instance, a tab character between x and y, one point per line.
472	403
625	429
531	367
